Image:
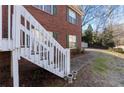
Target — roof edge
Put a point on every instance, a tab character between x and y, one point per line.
75	8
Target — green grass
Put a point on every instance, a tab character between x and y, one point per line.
100	66
119	69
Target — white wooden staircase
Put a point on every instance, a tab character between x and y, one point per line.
31	41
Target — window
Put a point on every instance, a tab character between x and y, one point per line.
72	41
51	33
72	16
51	9
48	9
54	34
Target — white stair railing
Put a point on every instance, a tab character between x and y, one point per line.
37	46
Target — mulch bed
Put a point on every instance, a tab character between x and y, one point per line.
40	78
36	77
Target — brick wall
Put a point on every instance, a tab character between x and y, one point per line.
58	23
5	59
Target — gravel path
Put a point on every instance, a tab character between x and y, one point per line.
81	61
91	75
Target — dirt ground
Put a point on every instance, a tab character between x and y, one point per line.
104	69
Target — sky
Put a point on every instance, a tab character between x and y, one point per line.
118	18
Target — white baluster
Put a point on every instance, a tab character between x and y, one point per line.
56	61
9	24
30	45
67	61
61	61
14	27
17	31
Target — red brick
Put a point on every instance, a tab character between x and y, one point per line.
57	23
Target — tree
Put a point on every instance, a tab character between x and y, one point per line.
100	14
96	39
102	17
88	35
107	38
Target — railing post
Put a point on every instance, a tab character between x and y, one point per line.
67	62
14	26
17	27
52	54
15	68
30	41
9	24
0	24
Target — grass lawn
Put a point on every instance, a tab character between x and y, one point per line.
100	66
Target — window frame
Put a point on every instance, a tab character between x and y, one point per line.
43	8
75	42
68	17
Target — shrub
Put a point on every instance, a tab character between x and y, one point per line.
120	50
110	49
